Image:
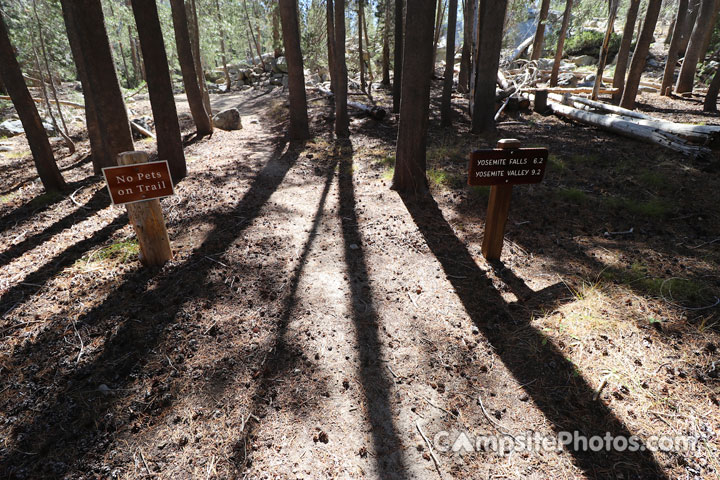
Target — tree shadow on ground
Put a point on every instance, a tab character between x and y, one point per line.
48	443
551	380
376	384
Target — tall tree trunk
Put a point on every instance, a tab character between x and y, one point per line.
640	55
623	54
491	19
688	24
330	20
367	45
686	79
446	108
711	97
277	44
252	35
162	100
386	47
64	132
134	57
410	160
605	50
100	152
194	30
465	60
673	51
37	139
561	43
398	54
342	120
709	32
88	24
361	55
436	37
299	129
187	66
223	53
540	31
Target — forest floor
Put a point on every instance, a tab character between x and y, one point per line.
315	324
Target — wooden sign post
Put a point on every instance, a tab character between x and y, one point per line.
501	168
139	185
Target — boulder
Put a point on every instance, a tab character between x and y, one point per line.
584	60
545	63
277	79
228	119
281	65
567	80
11	128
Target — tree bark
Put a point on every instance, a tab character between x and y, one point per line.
100	153
162	101
436	37
605	50
465	60
187	66
37	139
688	24
709	32
640	55
342	120
194	31
711	97
398	54
673	51
111	112
277	44
410	160
386	47
299	129
491	19
446	108
540	31
686	79
561	43
223	52
361	56
330	20
623	54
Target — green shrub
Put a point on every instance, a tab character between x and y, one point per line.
589	42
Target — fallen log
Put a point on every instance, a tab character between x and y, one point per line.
141	130
378	113
40	100
603	91
705	135
517	53
631	129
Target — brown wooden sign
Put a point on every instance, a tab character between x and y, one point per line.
507	166
139	182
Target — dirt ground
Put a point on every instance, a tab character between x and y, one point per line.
315	324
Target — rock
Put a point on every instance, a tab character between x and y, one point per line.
10	128
567	80
281	65
588	81
313	79
584	60
285	81
228	119
276	79
545	63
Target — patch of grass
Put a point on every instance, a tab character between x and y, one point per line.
587	158
674	289
445	152
441	178
46	199
652	179
573	195
389	174
121	252
16	154
8	198
556	162
481	192
387	161
655	208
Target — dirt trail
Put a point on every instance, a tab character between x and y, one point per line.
312	320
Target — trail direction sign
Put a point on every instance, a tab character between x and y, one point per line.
139	182
501	168
507	166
